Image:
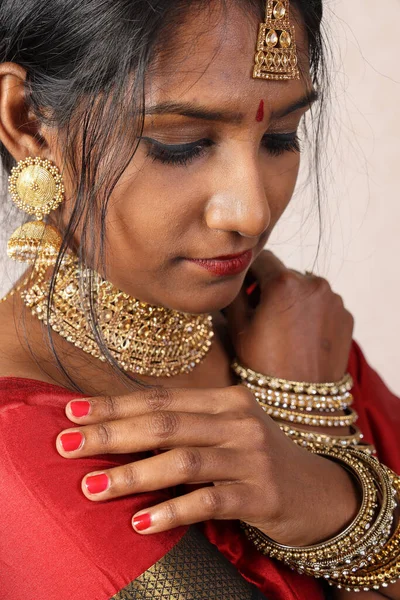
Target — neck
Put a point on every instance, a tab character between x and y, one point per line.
32	357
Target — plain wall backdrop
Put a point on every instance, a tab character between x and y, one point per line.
361	242
361	236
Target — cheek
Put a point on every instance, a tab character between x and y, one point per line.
149	217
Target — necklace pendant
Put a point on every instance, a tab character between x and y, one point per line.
143	339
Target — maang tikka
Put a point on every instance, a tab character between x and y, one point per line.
276	54
36	187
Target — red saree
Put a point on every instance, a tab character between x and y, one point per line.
57	545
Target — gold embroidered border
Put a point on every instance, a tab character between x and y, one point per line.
193	570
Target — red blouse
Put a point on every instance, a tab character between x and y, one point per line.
57	545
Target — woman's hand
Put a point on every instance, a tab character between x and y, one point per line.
299	331
220	440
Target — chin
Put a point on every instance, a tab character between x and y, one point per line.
211	299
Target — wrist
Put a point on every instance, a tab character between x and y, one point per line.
365	555
328	501
339	502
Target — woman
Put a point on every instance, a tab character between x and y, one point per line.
133	465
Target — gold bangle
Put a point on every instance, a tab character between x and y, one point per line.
354	547
314	420
301	402
307	438
316	553
360	551
384	567
299	387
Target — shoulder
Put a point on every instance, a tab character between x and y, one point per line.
47	527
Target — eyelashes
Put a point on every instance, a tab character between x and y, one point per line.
177	154
278	143
275	144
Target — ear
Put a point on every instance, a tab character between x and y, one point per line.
19	128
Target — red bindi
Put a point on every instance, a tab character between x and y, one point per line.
260	112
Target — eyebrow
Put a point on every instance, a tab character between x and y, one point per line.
306	101
191	110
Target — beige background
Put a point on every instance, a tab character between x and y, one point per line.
361	241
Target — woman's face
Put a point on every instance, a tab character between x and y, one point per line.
205	186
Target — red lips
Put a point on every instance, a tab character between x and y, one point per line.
227	265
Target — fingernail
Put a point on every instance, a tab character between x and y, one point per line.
142	522
95	484
71	441
252	288
80	408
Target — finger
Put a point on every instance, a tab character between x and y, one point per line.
154	399
266	267
145	432
218	502
176	467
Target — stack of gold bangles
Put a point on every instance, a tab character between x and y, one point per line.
366	555
294	404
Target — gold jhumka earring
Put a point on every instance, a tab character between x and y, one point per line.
276	56
143	339
36	187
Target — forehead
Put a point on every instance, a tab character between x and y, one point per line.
209	60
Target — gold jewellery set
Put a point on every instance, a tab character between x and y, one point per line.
159	342
143	339
366	555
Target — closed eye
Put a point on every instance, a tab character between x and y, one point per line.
176	154
279	143
276	144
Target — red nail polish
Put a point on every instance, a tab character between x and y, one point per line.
142	522
80	408
71	441
252	288
96	484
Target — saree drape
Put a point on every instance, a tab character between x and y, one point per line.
56	544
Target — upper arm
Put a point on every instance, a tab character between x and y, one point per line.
56	544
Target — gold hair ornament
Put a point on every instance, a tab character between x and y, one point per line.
276	56
36	187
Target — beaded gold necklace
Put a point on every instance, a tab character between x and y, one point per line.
143	339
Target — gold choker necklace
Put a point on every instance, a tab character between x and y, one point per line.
143	339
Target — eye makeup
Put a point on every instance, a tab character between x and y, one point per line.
176	154
275	144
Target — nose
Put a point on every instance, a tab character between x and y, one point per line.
239	201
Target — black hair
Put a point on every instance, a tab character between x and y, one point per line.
80	57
